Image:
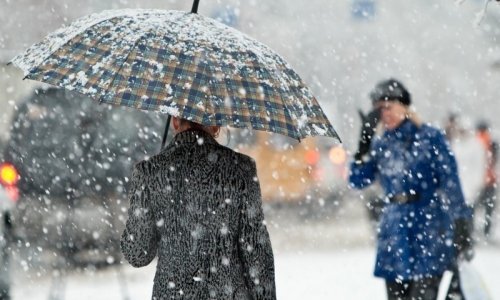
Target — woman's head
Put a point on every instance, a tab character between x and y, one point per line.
392	113
391	90
181	125
393	100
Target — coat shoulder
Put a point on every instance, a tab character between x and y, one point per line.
144	167
244	162
430	132
429	129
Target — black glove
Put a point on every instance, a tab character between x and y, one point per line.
368	125
462	239
7	220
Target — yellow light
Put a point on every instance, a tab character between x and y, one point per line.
8	174
337	155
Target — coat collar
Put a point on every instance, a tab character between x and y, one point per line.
192	136
406	129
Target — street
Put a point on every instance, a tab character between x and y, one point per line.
329	259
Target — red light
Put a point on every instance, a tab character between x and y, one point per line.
12	192
312	157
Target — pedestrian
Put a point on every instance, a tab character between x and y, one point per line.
197	206
465	147
425	224
453	129
488	192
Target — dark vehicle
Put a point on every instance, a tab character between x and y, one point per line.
74	158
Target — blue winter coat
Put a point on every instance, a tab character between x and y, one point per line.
415	239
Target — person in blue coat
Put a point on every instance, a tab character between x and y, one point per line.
425	225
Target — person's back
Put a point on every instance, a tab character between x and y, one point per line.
465	147
196	205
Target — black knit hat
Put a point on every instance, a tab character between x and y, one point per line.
391	90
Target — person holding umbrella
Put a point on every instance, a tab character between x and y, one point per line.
425	224
197	206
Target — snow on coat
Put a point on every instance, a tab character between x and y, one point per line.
197	206
414	239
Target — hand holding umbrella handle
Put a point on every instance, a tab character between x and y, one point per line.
368	125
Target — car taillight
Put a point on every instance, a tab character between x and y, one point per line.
312	157
9	178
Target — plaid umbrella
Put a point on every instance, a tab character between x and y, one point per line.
181	64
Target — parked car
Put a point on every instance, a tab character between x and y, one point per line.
74	159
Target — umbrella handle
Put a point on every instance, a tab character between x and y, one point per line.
194	10
165	133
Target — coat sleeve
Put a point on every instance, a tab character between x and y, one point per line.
255	249
446	170
362	174
139	240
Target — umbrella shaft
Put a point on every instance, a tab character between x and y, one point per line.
164	141
195	6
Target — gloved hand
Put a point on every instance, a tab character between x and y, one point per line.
462	239
7	220
368	125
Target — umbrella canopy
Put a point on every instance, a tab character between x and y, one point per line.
178	63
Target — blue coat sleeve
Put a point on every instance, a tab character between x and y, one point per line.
445	168
363	174
139	240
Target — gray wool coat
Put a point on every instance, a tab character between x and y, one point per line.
197	206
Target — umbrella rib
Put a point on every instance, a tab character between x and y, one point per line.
139	39
285	108
77	33
124	61
260	57
282	62
212	86
294	121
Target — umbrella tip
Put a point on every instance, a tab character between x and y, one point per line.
194	10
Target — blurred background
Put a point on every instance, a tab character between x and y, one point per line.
64	247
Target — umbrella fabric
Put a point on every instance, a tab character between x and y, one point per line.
178	63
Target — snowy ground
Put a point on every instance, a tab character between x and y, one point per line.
331	259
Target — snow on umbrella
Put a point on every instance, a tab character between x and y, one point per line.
179	63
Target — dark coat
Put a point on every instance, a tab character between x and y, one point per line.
415	239
197	206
